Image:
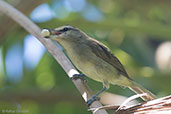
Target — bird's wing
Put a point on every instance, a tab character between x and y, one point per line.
104	53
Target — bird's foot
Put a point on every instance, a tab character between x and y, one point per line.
79	76
95	98
92	99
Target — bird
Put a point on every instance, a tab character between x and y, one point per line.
94	59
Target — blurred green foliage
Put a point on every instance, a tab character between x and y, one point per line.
131	29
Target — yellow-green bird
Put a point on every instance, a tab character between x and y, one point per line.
94	59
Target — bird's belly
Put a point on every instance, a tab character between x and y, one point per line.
94	67
87	67
90	70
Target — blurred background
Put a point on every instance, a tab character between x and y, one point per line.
137	32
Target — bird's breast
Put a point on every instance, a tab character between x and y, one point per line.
83	58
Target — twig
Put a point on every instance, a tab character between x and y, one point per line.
129	100
33	29
156	106
118	108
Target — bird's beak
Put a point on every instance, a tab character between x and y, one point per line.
50	33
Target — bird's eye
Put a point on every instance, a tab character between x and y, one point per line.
65	29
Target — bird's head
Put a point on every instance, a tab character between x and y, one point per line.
63	33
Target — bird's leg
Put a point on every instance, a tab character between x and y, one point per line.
94	97
79	76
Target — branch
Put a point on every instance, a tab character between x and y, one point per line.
33	29
157	106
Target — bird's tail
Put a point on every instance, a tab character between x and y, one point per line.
138	89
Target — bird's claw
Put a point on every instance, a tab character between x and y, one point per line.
92	99
79	76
